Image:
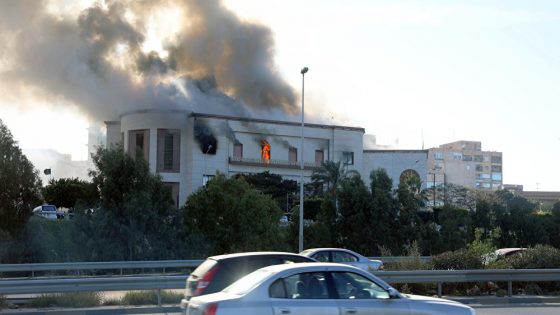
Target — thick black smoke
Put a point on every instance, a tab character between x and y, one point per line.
95	59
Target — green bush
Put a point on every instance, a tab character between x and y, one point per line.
538	257
461	259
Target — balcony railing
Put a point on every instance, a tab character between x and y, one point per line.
272	163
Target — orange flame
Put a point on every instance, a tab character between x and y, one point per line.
265	151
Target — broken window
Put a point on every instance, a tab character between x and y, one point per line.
265	151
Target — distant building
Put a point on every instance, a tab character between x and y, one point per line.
464	163
397	163
551	197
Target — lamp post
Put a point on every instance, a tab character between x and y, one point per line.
303	72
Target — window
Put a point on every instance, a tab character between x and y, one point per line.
496	168
139	143
438	155
265	151
496	176
292	154
300	286
467	158
478	158
479	167
168	148
497	159
348	158
319	156
174	192
238	150
206	179
350	285
457	156
343	257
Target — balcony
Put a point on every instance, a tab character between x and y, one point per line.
272	163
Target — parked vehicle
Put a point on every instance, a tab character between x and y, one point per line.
48	211
318	288
343	256
217	272
502	253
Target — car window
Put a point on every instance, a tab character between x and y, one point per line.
321	256
204	267
350	285
343	257
300	286
248	282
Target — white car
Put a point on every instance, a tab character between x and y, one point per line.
343	256
317	288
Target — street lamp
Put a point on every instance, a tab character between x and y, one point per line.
303	72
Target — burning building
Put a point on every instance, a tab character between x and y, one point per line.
187	148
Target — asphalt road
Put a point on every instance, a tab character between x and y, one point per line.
521	309
531	309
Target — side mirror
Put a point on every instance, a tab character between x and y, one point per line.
393	293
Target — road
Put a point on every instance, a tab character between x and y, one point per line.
509	309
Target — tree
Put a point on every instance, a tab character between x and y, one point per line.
454	227
66	192
411	199
383	209
355	226
19	185
281	190
231	216
136	215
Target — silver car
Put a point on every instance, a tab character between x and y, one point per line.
317	288
343	256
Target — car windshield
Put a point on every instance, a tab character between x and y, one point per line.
248	282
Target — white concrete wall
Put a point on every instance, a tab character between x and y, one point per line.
395	162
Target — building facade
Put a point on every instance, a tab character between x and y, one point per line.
464	163
187	149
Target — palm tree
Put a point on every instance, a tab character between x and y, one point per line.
330	176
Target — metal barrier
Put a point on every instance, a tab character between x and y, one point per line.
159	282
456	276
52	285
109	265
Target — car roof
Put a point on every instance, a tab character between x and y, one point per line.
249	254
318	266
328	248
505	251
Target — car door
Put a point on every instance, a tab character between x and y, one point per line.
358	295
302	294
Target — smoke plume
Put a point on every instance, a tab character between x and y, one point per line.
96	58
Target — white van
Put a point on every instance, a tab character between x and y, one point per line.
46	211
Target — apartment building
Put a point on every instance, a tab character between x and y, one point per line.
464	163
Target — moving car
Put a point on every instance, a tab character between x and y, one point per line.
217	272
343	256
318	288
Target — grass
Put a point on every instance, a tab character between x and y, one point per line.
72	299
94	299
3	303
150	298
